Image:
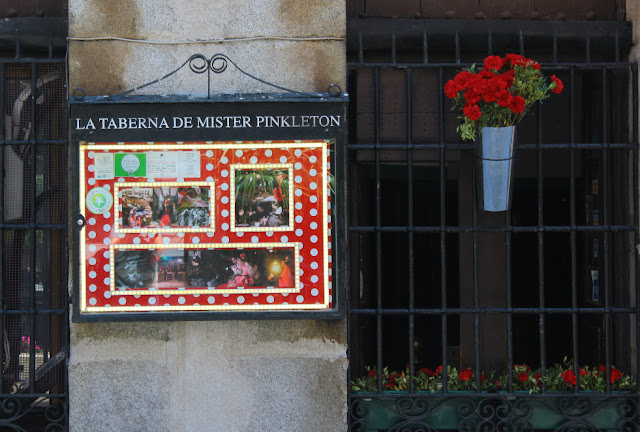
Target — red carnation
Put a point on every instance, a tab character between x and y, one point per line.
372	373
583	372
465	374
517	104
472	112
438	370
523	377
515	59
451	90
569	377
559	85
615	375
504	98
464	79
601	368
493	63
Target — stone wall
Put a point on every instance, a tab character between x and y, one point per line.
207	375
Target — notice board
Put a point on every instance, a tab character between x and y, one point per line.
207	210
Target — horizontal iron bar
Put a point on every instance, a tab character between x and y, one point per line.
484	395
30	396
545	66
33	142
32	311
494	310
458	146
9	226
464	229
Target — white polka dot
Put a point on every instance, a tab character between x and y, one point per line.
180	234
209	167
107	294
224	173
299	232
93	301
121	180
315	292
209	179
92	274
314	239
151	235
298	219
182	300
209	153
225	213
253	160
284	239
224	186
107	268
122	235
106	228
210	234
299	299
122	300
314	252
151	180
313	212
298	165
268	153
313	172
314	265
224	160
211	300
225	239
313	198
91	168
298	192
107	215
313	159
107	241
196	295
92	261
224	200
314	278
92	248
298	179
92	181
225	295
106	254
300	272
107	187
300	245
240	299
166	240
298	206
254	239
195	240
240	234
270	299
107	281
91	155
269	233
93	288
298	152
313	225
283	159
225	227
238	153
313	186
91	221
136	240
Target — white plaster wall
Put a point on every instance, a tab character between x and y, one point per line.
218	375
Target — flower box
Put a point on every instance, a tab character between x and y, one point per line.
589	411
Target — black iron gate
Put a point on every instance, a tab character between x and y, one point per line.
447	294
33	241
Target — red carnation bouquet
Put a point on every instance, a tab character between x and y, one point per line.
499	94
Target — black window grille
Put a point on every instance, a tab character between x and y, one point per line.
434	281
33	240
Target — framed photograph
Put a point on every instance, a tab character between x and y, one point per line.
154	270
164	207
262	197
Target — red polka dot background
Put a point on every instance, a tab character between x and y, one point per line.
307	239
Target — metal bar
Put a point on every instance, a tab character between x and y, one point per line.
425	48
509	300
393	48
457	48
3	306
496	310
636	235
604	188
443	238
573	234
541	316
459	147
476	275
378	235
412	336
33	211
588	38
461	229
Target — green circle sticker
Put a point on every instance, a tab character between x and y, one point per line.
99	200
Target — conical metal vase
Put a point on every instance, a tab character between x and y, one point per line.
495	157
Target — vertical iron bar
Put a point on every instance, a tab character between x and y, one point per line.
555	46
411	233
521	42
3	311
476	274
443	239
425	48
32	230
490	42
617	46
393	48
573	234
604	188
509	304
360	48
541	292
457	48
378	233
588	49
634	126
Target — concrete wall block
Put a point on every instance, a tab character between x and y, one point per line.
203	19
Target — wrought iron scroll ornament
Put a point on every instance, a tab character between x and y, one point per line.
217	64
